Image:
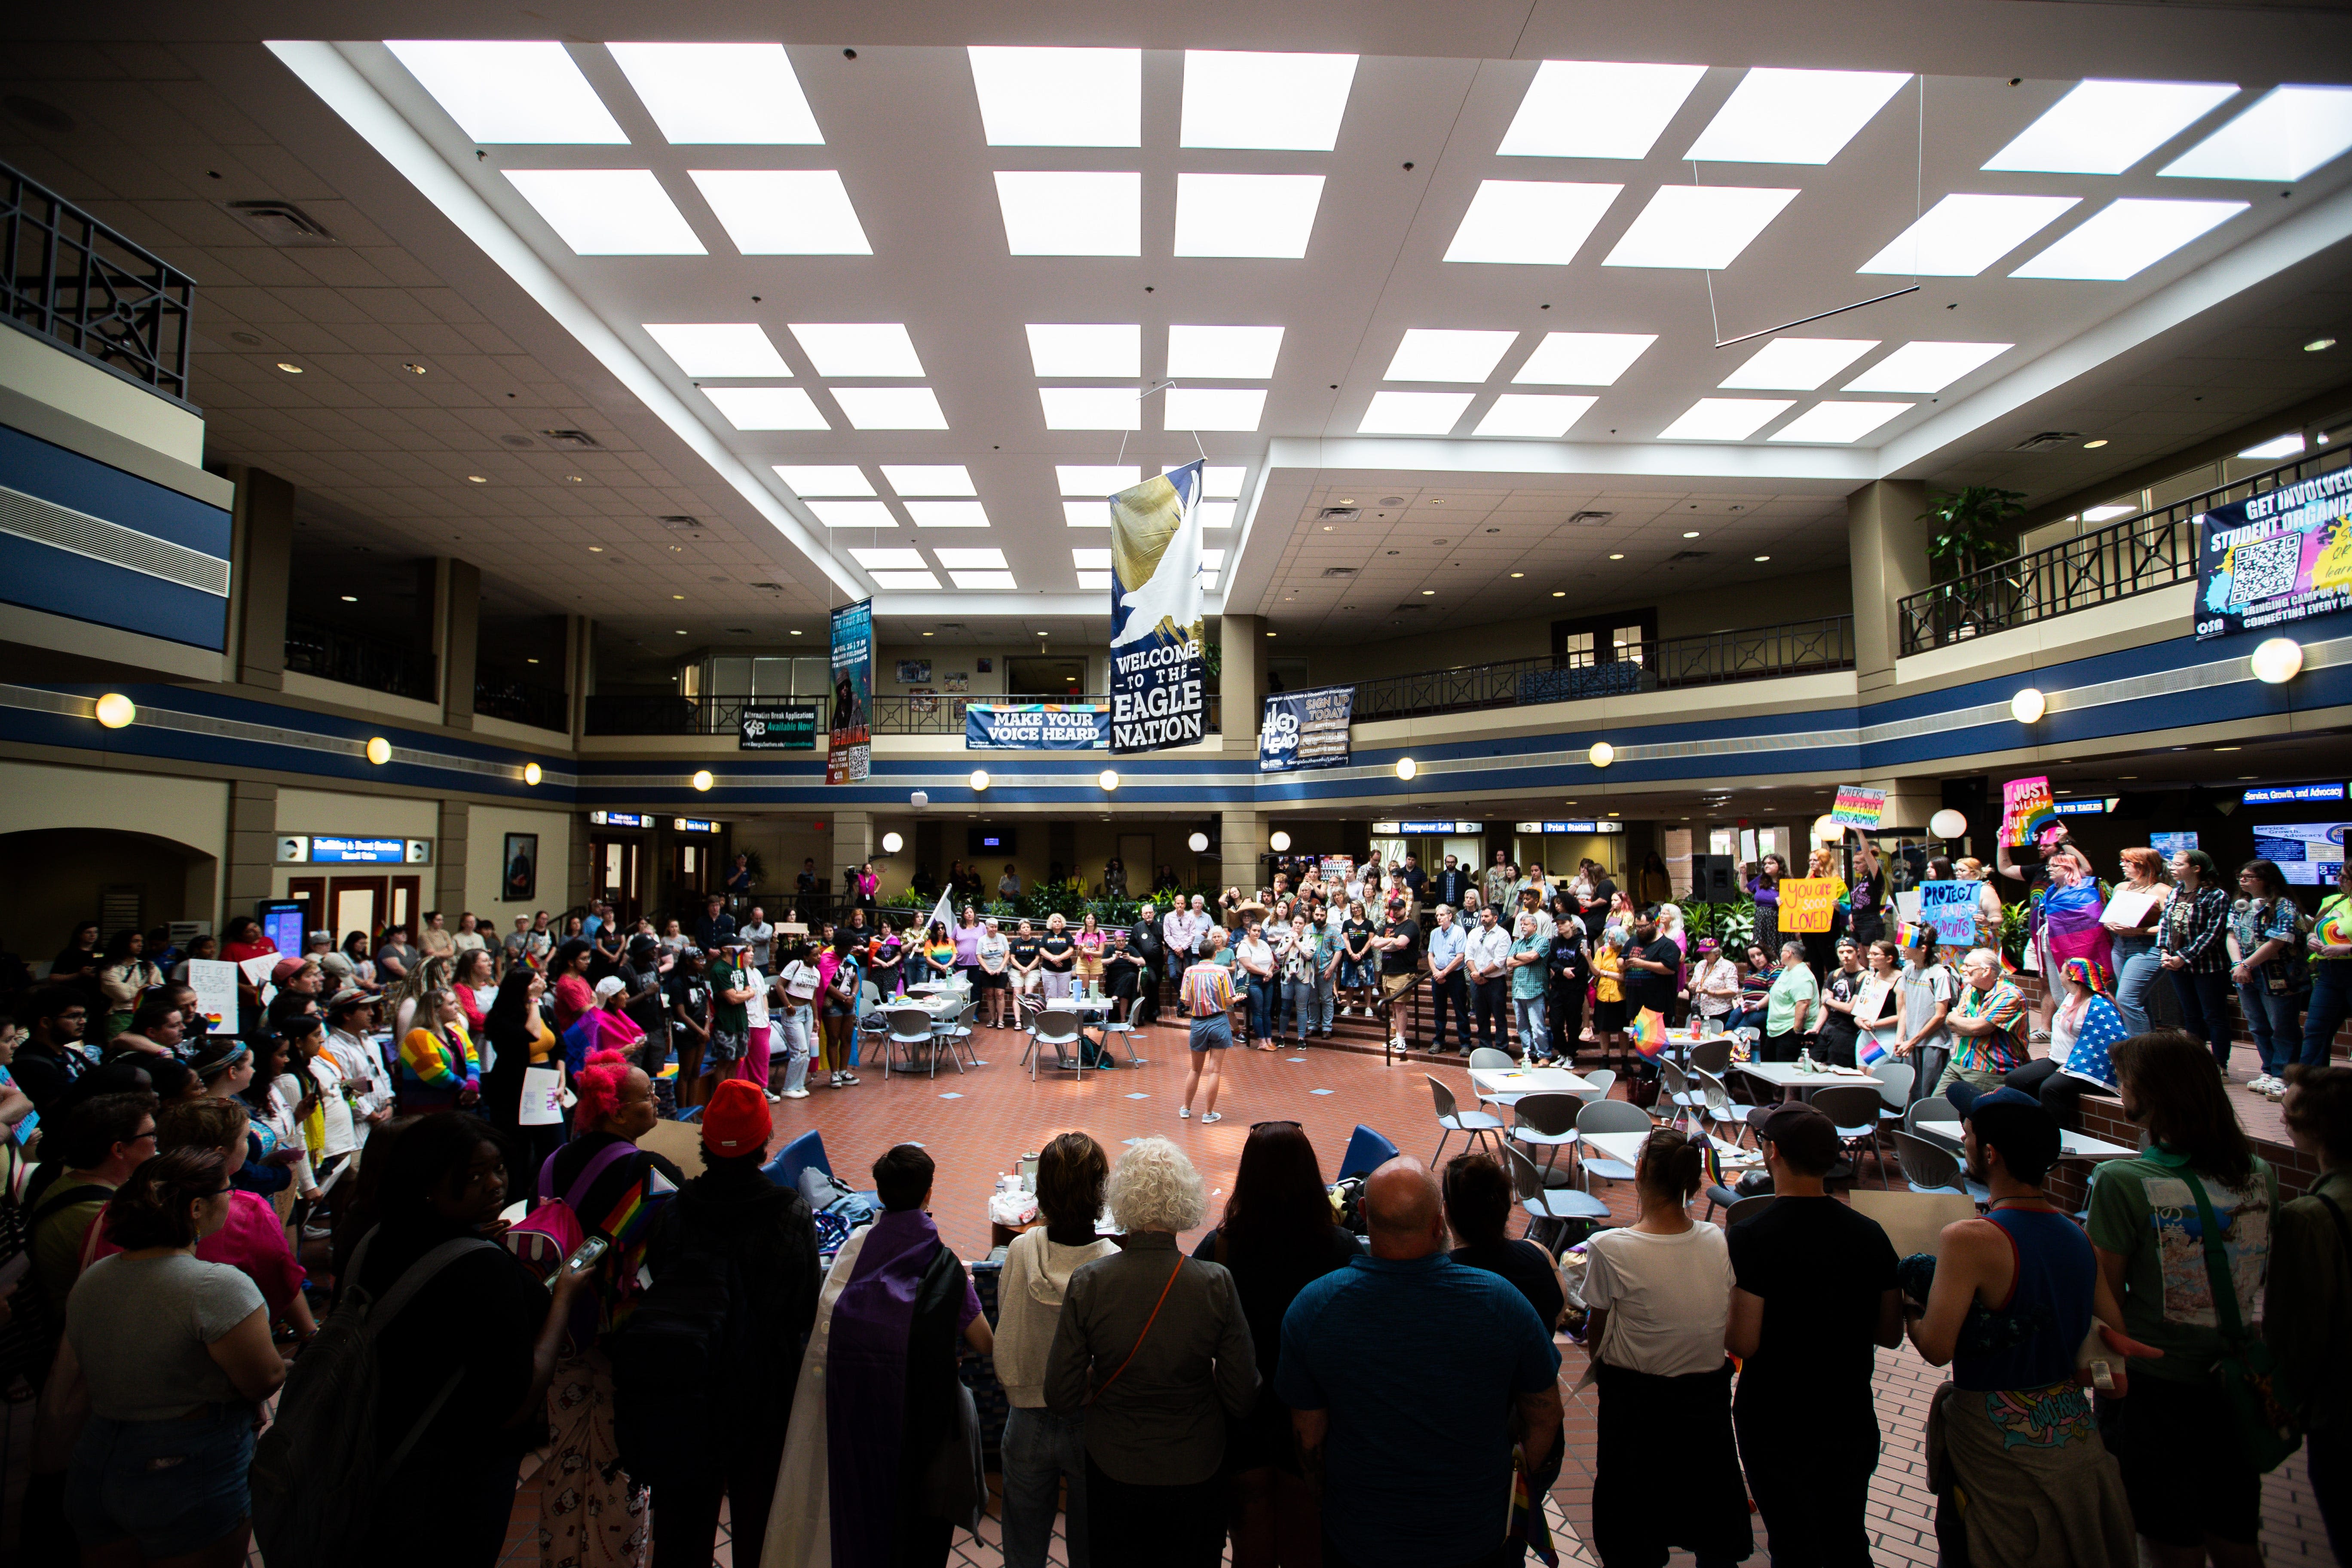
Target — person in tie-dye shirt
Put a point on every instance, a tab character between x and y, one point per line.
1987	1024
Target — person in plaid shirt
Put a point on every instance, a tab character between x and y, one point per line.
2189	945
1987	1025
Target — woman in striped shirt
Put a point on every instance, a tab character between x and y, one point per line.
1209	998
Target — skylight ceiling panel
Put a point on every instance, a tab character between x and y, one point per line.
948	513
1071	213
510	92
982	581
1213	408
1225	354
767	407
1086	349
2106	127
1926	367
858	348
1797	365
1442	354
2291	131
720	93
783	212
1777	116
890	560
1726	418
824	478
1222	481
906	580
1090	560
1700	226
722	349
1597	109
2126	237
1091	407
1094	581
852	514
971	560
1413	412
890	408
1533	417
1257	215
1059	97
1583	359
1963	233
1839	422
1243	100
1529	223
929	478
607	212
1217	513
1087	513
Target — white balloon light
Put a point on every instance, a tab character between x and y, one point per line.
979	780
1277	841
892	843
530	774
2277	661
1827	829
115	711
1406	767
2028	706
1107	778
1198	843
702	779
1601	754
1948	824
379	750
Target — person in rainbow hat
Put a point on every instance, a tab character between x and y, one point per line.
2086	1027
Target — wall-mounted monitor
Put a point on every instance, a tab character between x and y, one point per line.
990	841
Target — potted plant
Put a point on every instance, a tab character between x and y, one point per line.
1970	529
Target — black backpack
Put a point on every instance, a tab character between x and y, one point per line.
678	1364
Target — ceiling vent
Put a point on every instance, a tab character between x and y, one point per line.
679	524
516	440
1401	609
1339	514
2048	441
1341	571
1589	519
282	223
769	587
737	631
1392	501
1687	556
577	440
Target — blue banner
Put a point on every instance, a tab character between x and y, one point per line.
1305	729
1035	727
849	748
1157	693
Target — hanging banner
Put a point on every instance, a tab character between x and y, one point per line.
2276	558
1858	808
1806	903
1306	729
2028	810
1158	699
1035	727
1952	909
850	749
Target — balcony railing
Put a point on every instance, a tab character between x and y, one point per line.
369	662
940	714
520	704
2135	555
72	279
1800	647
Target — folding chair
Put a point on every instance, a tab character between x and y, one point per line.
1932	1168
1488	1056
1894	1082
1598	1085
1719	1109
1557	1207
1608	1116
1747	1208
1676	1099
1711	1056
1477	1124
1853	1110
909	1032
1546	1121
1057	1027
1125	1032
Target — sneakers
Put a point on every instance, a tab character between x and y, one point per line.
851	1078
1183	1113
773	1097
839	1080
2268	1087
1213	1116
796	1094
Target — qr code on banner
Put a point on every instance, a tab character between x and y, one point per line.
2266	570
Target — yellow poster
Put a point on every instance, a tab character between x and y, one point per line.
1807	904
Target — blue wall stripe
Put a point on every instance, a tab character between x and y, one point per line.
59	582
43	469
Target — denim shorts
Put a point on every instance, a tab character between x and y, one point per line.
173	1486
1214	1033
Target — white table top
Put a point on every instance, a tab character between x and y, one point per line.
2071	1145
1533	1080
1627	1147
1786	1075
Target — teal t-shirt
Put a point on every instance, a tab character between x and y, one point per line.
1527	979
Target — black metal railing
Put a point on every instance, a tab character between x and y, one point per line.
76	281
928	714
2131	556
520	704
355	660
1760	653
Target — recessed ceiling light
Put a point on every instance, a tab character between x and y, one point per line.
681	631
1059	98
1597	109
2107	513
2285	445
1962	235
1091	407
510	91
1834	422
1691	534
1583	359
1530	222
784	212
1237	99
2290	131
1532	416
931	633
1725	418
719	348
1080	212
1093	479
971	560
413	368
1086	349
1234	354
824	478
1617	557
595	550
948	513
921	580
1559	593
1797	365
737	94
575	478
890	408
1439	354
1518	573
794	633
2318	346
1246	215
677	595
767	407
607	212
1926	367
2095	445
289	368
1777	116
1213	408
854	514
1763	558
2129	236
858	348
1427	593
1413	412
2106	127
929	478
890	560
1698	225
350	598
476	479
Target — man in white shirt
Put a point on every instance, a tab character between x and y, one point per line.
760	934
1254	964
1488	959
1924	992
350	1014
1447	983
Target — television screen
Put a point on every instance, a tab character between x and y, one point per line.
2310	853
2171	844
989	842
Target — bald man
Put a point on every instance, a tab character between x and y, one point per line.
1413	1446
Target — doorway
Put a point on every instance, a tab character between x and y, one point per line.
618	876
1056	679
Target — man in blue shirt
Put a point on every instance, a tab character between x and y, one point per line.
1412	1446
1446	946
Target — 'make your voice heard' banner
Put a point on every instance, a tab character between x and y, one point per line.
1035	727
1158	697
1306	729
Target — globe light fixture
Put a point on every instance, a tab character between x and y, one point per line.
2277	661
702	779
1827	829
1277	841
116	711
2028	706
530	774
1198	843
1948	824
1407	767
379	750
979	780
892	843
1107	778
1601	754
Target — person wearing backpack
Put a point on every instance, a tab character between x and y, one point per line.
703	1371
2191	1471
2308	1318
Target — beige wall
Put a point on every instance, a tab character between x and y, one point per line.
85	830
75	387
361	816
487	827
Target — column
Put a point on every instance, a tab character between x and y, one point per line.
449	860
1244	841
1909	802
578	671
580	877
1886	546
853	846
1241	678
252	848
262	549
456	633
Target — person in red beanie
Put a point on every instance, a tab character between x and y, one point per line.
733	1214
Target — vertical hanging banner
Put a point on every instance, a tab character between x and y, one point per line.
849	749
1158	698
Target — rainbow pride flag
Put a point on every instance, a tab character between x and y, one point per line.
1528	1523
1649	1034
1712	1158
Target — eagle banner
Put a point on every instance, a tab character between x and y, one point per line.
1158	698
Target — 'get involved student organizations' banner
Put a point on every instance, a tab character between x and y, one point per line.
1035	727
849	749
1306	729
1157	697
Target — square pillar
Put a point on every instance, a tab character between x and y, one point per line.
260	577
456	637
853	845
1886	545
1243	840
252	846
1241	678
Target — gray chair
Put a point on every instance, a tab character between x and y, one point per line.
1488	1056
955	1035
1608	1116
1057	1027
1546	1122
1934	1108
1553	1208
1677	1098
910	1038
1853	1110
1747	1208
1719	1110
1932	1168
1599	1084
1477	1125
1124	1030
1711	1056
1894	1082
1719	1196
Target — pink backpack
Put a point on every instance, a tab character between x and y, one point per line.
551	1232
